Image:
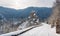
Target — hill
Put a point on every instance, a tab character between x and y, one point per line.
9	13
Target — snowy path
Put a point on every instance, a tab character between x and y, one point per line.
44	30
17	32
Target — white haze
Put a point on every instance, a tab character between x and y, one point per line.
20	4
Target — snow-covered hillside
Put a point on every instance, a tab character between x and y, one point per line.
44	30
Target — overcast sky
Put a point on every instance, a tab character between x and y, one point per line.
20	4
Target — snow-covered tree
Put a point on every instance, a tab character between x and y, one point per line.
32	20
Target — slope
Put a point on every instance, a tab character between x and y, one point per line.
44	30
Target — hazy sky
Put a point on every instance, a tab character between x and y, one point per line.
26	3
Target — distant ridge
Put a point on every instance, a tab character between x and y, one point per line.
42	12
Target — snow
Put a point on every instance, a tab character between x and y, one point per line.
23	25
34	19
34	14
44	30
37	20
16	32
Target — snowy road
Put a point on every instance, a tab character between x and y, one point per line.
44	30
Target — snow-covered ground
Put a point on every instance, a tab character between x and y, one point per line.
23	25
44	30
